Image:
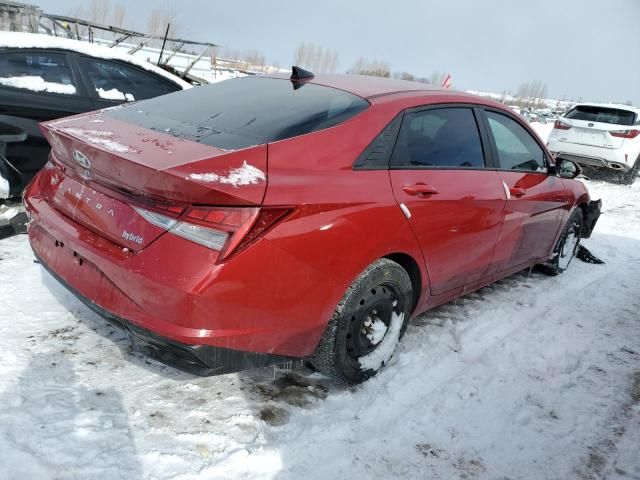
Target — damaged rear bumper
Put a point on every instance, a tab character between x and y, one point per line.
591	216
203	360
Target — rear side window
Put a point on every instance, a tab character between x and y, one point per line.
246	111
614	116
38	72
517	149
118	82
443	137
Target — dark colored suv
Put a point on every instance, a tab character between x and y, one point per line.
44	78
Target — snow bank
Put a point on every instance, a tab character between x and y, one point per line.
31	40
37	84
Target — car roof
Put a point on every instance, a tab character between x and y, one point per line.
618	106
34	40
365	86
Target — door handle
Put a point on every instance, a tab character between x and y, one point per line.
420	189
517	191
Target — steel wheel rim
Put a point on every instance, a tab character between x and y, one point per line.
375	327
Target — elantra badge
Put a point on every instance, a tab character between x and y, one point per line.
82	159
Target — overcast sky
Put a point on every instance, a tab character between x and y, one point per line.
585	49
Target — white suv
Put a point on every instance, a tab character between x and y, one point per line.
604	136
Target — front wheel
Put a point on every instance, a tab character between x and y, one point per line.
567	245
367	325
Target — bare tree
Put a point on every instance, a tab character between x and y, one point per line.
159	19
436	78
255	60
99	11
315	58
375	68
531	94
118	16
404	76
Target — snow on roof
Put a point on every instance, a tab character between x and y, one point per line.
34	40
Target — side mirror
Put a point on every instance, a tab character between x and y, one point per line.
566	168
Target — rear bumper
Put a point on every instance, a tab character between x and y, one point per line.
203	360
591	217
264	302
611	158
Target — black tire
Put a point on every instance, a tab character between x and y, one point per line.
630	177
563	253
377	303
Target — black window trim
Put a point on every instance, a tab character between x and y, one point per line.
486	150
363	163
68	56
482	111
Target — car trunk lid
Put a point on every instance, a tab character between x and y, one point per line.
591	133
106	168
596	125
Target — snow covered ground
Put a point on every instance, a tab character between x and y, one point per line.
531	378
542	129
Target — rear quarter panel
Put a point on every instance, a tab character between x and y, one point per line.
344	219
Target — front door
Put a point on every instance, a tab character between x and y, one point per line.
535	199
452	200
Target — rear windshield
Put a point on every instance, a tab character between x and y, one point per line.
242	112
602	114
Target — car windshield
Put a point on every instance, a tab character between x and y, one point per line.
242	112
602	114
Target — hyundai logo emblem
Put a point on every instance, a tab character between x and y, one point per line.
589	124
82	159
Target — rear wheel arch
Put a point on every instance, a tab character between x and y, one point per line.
409	264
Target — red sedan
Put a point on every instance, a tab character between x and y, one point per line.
269	218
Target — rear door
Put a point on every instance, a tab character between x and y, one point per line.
449	192
535	199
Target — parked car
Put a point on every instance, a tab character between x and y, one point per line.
601	136
267	218
44	78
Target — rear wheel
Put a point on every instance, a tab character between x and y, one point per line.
367	325
567	245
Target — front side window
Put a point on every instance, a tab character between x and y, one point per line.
517	149
439	138
118	82
38	72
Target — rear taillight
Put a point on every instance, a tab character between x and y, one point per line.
227	230
558	125
624	133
